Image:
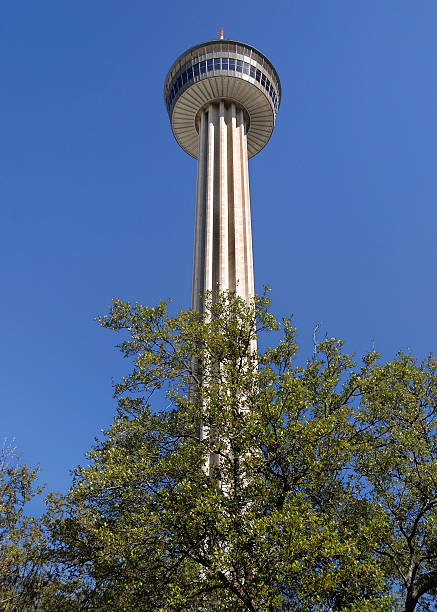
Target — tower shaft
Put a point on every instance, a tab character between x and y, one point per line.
223	238
222	97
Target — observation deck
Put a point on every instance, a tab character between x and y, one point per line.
222	70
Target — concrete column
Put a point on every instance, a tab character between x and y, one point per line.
199	226
208	269
223	238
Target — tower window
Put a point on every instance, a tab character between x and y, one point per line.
209	65
231	64
224	63
217	63
203	67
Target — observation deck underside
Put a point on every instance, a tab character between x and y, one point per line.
252	99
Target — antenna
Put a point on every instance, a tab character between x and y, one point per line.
221	34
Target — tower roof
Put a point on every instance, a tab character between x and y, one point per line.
222	70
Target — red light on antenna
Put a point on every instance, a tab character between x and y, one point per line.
221	34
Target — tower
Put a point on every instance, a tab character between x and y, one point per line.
222	97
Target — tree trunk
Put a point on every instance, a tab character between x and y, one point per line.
410	601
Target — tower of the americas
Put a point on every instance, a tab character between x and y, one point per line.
222	97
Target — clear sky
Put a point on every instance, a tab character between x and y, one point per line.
97	199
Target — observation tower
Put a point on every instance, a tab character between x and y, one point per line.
222	97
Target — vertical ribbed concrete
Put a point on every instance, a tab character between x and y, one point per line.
223	236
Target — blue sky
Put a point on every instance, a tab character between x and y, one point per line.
97	200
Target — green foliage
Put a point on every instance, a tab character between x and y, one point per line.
264	484
254	513
20	536
398	467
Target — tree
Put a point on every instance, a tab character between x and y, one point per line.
398	470
282	521
20	559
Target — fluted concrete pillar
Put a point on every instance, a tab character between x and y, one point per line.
223	237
